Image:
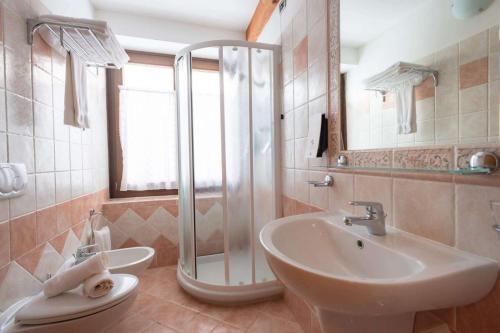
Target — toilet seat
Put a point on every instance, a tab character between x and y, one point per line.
73	304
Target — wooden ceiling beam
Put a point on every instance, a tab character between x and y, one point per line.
260	17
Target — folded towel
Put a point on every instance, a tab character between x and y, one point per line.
75	275
98	285
102	238
75	95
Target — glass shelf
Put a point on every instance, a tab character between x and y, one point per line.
467	171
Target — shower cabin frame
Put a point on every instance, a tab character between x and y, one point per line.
228	293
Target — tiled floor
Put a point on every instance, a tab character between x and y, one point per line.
163	307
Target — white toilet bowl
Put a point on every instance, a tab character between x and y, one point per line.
71	311
131	260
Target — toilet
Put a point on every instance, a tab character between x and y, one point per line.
71	311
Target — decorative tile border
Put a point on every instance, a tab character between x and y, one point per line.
372	158
436	158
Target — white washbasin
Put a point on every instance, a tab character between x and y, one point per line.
131	260
363	283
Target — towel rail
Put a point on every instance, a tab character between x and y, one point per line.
86	45
396	74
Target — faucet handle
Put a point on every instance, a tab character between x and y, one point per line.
371	206
86	249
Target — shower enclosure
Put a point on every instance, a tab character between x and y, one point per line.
228	168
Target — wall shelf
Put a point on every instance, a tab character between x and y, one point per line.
466	171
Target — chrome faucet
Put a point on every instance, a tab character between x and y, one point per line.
374	219
85	252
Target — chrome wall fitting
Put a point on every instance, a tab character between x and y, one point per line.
484	159
327	182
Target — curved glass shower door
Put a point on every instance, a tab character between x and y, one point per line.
228	153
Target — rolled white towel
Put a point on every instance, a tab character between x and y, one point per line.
73	276
98	285
102	238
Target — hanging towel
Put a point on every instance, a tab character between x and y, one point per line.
75	95
73	276
102	238
98	285
323	136
317	139
401	78
405	104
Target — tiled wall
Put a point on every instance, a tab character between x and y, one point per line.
67	167
463	108
443	209
152	221
303	36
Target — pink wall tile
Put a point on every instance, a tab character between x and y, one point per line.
474	219
418	212
425	90
474	73
30	260
4	243
63	216
46	224
341	193
378	189
300	57
22	235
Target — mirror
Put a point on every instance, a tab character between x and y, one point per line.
414	75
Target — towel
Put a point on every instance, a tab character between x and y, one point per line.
98	285
405	104
323	137
317	139
75	95
75	275
102	238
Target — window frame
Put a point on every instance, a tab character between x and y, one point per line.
114	78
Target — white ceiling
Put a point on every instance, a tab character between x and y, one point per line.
364	20
225	14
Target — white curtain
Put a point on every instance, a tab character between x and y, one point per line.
148	135
206	131
207	142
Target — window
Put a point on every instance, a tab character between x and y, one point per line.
142	123
148	129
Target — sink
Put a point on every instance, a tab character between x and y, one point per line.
131	260
359	282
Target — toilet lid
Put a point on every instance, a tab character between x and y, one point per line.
74	304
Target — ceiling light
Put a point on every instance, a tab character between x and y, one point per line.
464	9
